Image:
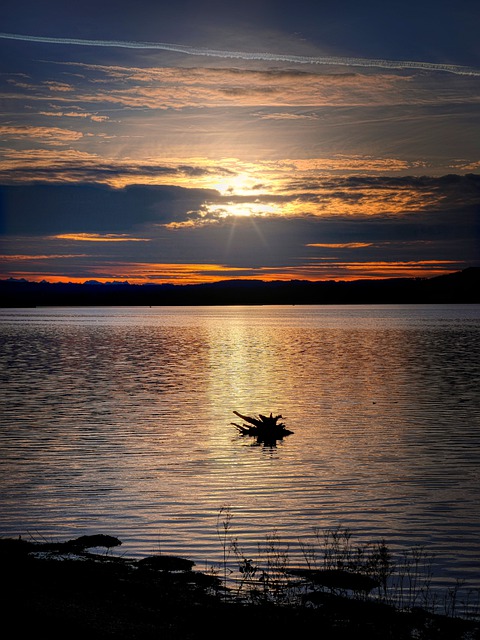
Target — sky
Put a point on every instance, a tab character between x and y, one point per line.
197	141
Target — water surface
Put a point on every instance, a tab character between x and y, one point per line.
117	420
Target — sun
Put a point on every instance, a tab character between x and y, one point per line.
243	184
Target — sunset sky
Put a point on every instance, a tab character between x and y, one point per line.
195	141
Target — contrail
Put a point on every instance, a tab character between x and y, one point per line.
246	55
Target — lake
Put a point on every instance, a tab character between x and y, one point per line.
118	421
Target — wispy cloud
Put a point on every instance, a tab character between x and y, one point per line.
246	55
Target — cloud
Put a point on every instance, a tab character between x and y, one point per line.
46	210
246	55
47	135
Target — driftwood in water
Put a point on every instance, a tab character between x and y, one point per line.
263	422
265	428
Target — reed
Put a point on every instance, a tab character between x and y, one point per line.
336	564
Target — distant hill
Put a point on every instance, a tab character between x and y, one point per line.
459	287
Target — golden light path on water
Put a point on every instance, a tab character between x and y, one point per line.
118	421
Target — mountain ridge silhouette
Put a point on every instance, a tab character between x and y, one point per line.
454	288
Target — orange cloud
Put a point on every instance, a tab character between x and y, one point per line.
97	237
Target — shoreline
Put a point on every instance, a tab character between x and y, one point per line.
65	590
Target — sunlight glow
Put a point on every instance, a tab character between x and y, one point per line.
241	209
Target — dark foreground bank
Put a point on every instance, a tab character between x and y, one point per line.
61	590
